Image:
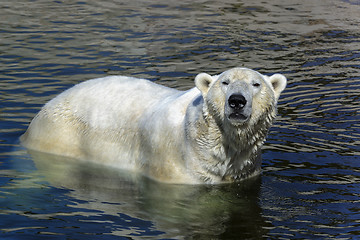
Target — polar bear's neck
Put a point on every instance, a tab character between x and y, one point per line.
234	152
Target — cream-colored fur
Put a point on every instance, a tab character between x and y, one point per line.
188	137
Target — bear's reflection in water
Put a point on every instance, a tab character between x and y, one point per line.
180	211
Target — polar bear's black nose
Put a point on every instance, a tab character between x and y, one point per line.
237	101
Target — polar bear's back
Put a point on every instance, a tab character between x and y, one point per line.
96	116
104	102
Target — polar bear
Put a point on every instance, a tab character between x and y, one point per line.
212	133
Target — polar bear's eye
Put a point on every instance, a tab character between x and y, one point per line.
225	83
256	85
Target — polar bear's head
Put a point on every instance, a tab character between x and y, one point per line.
240	96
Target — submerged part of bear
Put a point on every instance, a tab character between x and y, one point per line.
209	134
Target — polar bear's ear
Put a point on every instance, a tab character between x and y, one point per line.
278	82
203	82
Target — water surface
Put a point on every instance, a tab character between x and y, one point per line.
310	185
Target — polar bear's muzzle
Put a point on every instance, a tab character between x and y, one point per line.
238	108
237	101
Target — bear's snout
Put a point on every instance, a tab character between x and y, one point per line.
238	108
237	101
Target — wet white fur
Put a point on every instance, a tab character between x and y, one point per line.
166	134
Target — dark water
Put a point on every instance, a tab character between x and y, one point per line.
310	185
